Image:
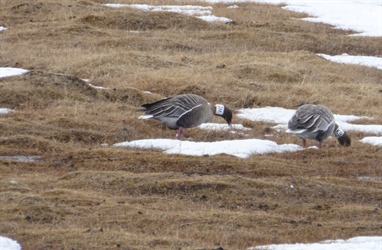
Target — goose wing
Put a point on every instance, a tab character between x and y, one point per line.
310	118
175	107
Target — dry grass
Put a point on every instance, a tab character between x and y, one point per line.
82	195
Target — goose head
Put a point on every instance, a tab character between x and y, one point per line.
223	111
342	137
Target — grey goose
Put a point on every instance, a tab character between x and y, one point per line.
184	111
316	122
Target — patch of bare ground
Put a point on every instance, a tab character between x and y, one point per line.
83	193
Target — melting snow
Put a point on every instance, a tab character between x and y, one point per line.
5	111
239	148
370	61
9	244
21	158
373	140
202	12
357	243
8	71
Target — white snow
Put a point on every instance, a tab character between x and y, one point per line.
222	126
97	87
370	61
267	114
239	148
6	72
21	158
212	18
5	111
9	71
368	128
373	140
356	243
202	12
233	7
366	16
9	244
93	86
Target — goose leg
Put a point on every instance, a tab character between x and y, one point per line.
304	143
179	133
320	145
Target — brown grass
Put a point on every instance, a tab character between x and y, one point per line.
82	194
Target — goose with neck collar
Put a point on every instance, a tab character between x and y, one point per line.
184	111
316	122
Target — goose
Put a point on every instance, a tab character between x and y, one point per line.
316	122
184	111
